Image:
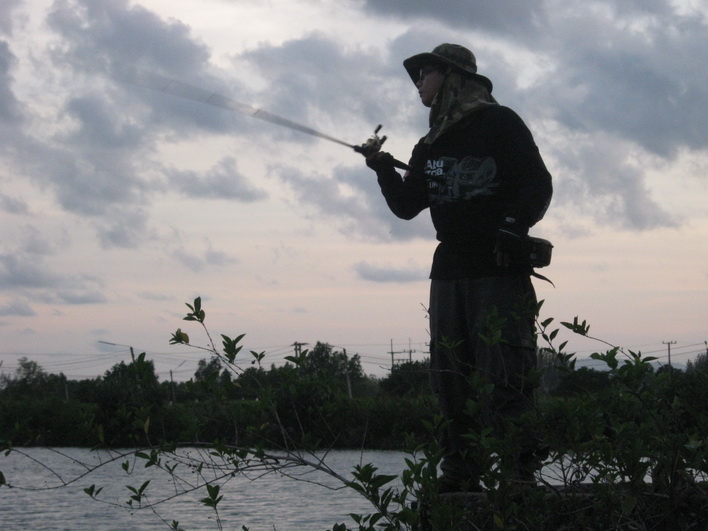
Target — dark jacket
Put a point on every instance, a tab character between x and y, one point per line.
481	171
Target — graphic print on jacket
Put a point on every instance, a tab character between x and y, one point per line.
450	180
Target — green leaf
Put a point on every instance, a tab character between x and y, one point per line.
93	491
214	498
498	521
628	504
179	337
197	314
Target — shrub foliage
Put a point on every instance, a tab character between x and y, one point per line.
628	447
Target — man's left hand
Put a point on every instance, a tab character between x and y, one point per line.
380	161
510	246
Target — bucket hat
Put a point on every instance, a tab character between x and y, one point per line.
446	54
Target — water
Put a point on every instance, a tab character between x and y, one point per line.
261	502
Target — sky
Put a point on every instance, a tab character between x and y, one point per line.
119	204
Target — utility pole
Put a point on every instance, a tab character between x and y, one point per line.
668	344
132	352
346	373
393	361
172	383
298	347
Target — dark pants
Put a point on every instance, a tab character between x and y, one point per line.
482	332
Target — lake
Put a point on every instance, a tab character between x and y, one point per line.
261	502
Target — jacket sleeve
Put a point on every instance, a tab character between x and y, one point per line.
406	196
531	186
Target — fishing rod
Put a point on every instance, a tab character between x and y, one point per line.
135	76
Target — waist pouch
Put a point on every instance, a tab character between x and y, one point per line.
538	251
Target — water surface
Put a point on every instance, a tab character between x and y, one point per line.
261	502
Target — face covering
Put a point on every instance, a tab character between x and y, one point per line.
458	97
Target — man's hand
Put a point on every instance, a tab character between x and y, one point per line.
380	162
510	248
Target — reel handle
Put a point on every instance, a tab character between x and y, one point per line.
373	145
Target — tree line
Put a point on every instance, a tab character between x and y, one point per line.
325	398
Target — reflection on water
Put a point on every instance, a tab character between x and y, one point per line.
260	502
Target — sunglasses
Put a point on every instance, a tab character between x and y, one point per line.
426	70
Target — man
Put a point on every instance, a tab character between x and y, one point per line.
480	173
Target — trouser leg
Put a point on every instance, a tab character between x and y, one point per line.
481	333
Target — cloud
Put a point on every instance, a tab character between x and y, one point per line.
598	178
200	262
622	73
314	78
13	205
619	81
351	199
630	73
124	226
222	181
376	273
502	16
6	15
24	272
155	296
81	297
10	112
99	127
17	308
31	278
95	32
28	272
99	155
112	41
39	243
